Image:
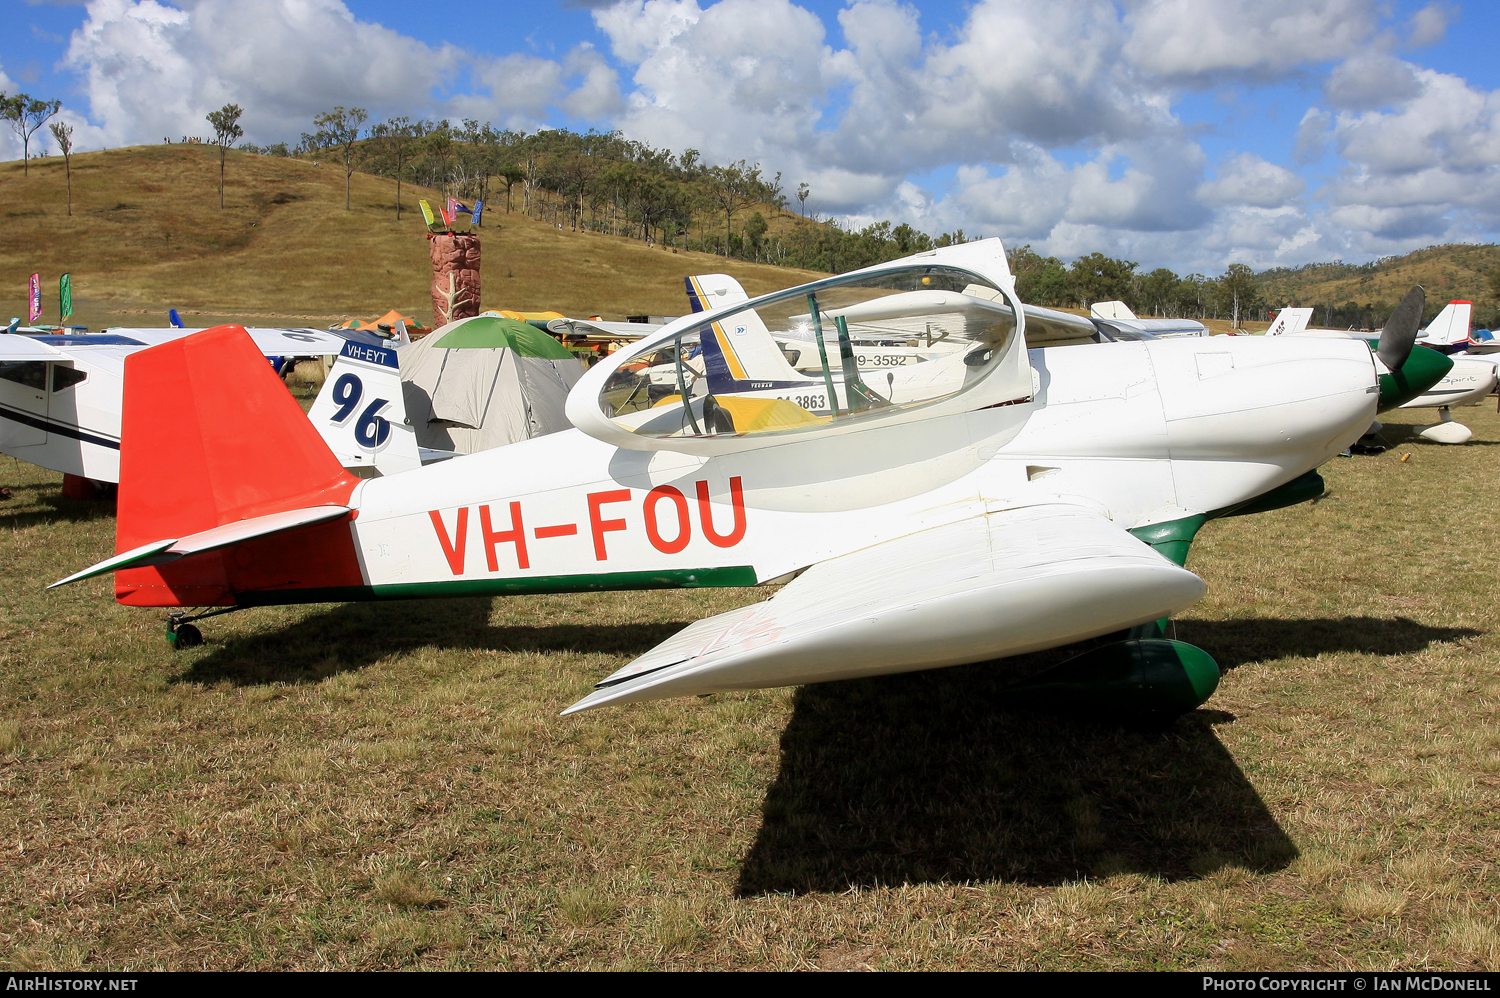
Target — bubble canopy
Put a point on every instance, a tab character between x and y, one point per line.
870	347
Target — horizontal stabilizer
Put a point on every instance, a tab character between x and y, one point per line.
162	552
1001	584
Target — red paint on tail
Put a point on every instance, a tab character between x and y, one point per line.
209	436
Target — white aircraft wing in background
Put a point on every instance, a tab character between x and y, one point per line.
1117	314
272	342
600	330
989	586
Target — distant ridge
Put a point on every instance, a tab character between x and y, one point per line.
1464	271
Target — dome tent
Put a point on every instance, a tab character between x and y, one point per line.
485	382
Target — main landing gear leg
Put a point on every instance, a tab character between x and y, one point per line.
180	631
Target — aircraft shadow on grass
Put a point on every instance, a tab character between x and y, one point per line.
929	778
20	511
352	636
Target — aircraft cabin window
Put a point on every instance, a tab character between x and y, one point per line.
849	350
65	377
31	373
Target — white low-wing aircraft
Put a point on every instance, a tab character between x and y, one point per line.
1473	376
1118	315
992	500
61	395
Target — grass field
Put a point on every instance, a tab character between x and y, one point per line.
147	234
388	786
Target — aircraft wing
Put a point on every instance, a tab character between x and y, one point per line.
307	342
271	342
600	329
22	348
993	585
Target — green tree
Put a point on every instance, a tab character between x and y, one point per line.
1190	296
340	129
512	175
227	131
730	191
1156	290
63	133
1238	290
397	141
26	114
755	233
1041	280
438	144
1097	277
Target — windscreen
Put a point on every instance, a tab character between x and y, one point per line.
845	350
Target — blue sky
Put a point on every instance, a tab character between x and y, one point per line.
1186	133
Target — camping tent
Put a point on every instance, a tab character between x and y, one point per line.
484	382
413	327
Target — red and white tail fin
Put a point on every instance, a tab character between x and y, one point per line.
1290	321
210	437
1451	326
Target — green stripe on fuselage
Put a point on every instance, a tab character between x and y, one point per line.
735	576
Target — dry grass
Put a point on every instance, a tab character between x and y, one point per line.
373	786
147	233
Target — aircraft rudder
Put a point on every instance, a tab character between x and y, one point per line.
209	436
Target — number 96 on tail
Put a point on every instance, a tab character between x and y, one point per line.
361	415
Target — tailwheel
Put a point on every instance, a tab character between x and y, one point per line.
182	634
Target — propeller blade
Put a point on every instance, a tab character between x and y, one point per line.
1400	332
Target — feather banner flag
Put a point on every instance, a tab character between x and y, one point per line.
65	297
35	298
426	211
478	210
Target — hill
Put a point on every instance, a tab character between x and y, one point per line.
1461	271
147	234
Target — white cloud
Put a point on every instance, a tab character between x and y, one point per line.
151	70
1428	25
1195	40
1249	180
1370	80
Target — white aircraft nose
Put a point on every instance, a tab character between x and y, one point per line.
1246	396
1246	414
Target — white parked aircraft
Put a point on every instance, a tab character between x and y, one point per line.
60	395
1118	315
1474	375
997	499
